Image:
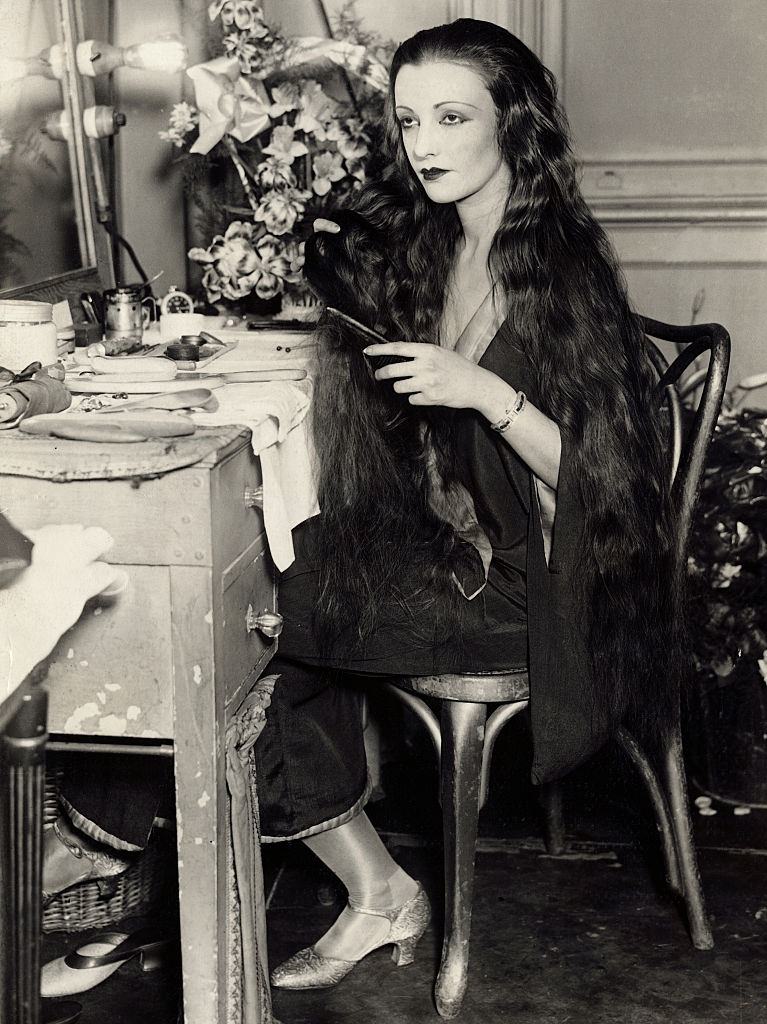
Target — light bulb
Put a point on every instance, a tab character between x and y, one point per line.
165	53
58	126
48	63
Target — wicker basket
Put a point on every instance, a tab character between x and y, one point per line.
142	888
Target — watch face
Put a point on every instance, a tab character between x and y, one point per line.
176	302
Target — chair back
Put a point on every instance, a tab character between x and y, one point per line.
689	444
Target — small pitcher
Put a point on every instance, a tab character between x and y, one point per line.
126	314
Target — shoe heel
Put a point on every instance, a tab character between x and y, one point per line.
404	952
153	959
107	886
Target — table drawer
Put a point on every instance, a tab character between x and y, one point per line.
241	647
111	674
238	521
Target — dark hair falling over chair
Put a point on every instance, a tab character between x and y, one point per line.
378	536
569	312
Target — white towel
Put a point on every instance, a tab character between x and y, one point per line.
275	412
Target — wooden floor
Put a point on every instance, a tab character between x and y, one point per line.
587	938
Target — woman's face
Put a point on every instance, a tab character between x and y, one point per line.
448	123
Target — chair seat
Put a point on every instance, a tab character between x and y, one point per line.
475	688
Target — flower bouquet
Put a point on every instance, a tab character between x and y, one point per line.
280	130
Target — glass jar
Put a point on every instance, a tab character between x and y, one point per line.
27	334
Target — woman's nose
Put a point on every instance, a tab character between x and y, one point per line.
424	143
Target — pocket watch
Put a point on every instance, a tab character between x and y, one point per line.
176	301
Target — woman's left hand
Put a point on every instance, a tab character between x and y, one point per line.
431	375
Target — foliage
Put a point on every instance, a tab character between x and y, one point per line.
728	553
281	130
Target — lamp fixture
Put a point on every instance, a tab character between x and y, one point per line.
48	63
165	53
98	123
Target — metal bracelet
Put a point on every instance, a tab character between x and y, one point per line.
511	413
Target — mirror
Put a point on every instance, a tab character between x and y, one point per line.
50	245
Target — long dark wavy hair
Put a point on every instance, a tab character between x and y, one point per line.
378	541
569	312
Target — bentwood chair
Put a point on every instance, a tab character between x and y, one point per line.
465	731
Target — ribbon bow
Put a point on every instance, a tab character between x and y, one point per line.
9	377
350	56
228	103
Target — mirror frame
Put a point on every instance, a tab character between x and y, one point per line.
85	164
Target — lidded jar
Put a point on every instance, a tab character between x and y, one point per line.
27	334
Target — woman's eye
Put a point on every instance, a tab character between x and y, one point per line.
406	122
450	119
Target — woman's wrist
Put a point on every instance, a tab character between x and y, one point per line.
496	400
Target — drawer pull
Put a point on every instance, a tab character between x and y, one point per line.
254	497
268	623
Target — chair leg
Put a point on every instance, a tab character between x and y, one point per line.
463	727
23	777
676	786
550	799
659	806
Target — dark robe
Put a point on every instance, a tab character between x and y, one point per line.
310	757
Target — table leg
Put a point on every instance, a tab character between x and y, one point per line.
201	798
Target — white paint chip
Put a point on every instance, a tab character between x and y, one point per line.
98	611
102	696
204	799
113	725
79	715
197	675
209	617
152	734
133	712
112	687
197	841
83	664
70	653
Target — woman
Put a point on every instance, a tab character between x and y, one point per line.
536	398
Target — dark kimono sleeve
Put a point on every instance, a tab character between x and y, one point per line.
568	720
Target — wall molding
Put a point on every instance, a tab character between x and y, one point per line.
540	24
687	189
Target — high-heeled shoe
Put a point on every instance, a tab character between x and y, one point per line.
98	960
71	857
310	969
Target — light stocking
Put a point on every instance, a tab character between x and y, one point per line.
355	853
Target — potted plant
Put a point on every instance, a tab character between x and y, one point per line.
727	706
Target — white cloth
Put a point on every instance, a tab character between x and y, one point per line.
276	414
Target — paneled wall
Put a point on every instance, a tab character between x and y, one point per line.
667	105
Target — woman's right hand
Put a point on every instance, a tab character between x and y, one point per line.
323	224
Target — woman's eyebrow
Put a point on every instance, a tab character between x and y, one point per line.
442	103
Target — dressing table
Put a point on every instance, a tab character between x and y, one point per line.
163	668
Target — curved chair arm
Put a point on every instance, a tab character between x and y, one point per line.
698	338
671	398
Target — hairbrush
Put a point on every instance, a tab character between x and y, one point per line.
369	336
